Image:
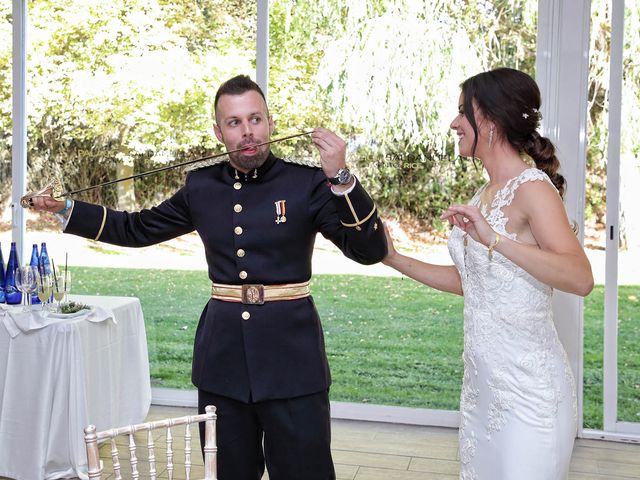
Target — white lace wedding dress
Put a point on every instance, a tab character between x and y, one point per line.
518	402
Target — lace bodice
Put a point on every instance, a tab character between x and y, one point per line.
472	258
511	348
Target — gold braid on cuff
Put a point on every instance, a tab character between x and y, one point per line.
104	220
359	222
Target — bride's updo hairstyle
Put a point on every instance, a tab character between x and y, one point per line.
511	100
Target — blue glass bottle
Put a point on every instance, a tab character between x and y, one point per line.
2	297
45	264
12	294
35	263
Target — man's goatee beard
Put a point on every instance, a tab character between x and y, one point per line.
248	163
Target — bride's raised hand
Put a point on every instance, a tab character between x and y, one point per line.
469	219
391	250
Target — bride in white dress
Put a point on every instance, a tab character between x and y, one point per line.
512	245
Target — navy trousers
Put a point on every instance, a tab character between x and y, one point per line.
292	436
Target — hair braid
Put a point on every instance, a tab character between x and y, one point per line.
544	155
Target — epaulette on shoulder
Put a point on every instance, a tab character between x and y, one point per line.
306	162
205	163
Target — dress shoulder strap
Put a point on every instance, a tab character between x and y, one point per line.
505	196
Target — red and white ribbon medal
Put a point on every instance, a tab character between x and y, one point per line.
281	210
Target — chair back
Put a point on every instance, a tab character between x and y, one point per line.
153	468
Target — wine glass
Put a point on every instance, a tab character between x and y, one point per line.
60	287
44	289
26	281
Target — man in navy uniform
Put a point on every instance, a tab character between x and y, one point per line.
259	353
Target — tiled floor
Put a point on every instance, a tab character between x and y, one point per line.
380	451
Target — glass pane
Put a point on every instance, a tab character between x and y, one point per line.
629	248
595	238
386	75
595	214
116	88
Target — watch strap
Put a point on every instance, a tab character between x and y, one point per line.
343	177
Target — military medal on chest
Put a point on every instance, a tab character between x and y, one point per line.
281	209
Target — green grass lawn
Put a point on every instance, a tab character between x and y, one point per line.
390	341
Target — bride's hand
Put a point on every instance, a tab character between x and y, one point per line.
391	251
469	219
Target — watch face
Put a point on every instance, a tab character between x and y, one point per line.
344	176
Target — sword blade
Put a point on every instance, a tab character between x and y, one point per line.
178	165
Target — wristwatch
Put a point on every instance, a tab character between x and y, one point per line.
343	177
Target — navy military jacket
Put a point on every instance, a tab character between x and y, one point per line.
278	351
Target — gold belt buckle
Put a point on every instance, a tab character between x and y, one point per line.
253	294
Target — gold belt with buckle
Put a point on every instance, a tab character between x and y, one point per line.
257	294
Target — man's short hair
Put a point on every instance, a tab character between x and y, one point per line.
237	86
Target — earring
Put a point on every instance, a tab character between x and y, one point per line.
491	136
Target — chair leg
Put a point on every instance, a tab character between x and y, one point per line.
210	447
93	454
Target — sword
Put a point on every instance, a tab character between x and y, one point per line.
54	186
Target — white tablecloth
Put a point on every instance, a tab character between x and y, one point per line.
56	380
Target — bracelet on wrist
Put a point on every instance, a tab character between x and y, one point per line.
493	244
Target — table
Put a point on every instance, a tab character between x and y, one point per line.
56	380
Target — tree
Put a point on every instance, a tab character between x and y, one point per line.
115	82
598	115
393	78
